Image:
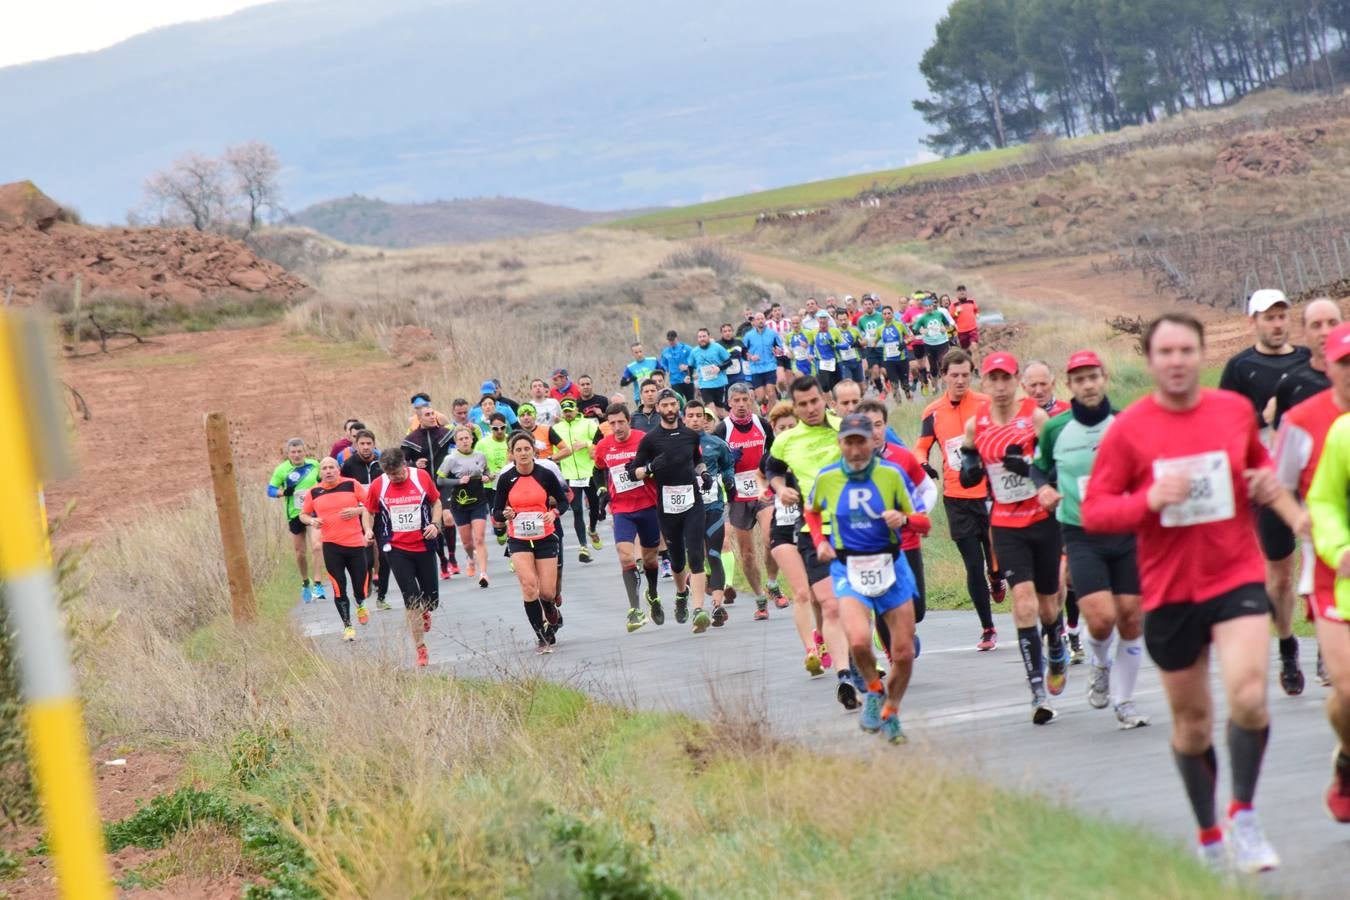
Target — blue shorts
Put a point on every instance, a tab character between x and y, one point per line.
903	591
764	379
644	524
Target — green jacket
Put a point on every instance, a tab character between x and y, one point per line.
291	482
578	465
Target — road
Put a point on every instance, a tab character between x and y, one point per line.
968	708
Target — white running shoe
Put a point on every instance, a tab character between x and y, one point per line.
1214	856
1099	686
1129	717
1252	853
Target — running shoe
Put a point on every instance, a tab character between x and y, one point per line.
383	605
1042	713
1338	795
1291	676
483	581
1323	676
666	571
550	613
891	730
362	614
998	589
846	693
1214	856
779	600
318	592
583	555
349	633
701	620
636	619
426	620
550	635
1252	853
1058	675
654	610
1129	717
306	594
682	607
542	647
728	595
422	658
1099	686
870	720
822	651
761	609
469	569
1076	653
501	539
595	540
813	666
988	640
719	616
454	567
445	571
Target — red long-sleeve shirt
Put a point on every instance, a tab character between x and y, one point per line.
1209	545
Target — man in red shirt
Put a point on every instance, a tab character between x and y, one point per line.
966	312
563	387
635	518
336	505
1184	470
407	510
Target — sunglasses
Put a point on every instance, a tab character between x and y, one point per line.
498	427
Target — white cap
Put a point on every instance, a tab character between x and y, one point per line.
1264	299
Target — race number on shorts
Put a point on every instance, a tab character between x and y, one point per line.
784	514
677	498
1211	496
528	526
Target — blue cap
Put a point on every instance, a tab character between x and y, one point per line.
856	424
488	387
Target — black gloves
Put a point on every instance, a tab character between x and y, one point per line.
1015	462
972	469
705	481
932	472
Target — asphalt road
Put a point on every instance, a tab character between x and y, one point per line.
963	707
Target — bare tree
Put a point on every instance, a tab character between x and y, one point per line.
191	191
255	167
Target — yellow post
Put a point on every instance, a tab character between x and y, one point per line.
637	332
56	740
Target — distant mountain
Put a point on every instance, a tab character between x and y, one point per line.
598	104
377	223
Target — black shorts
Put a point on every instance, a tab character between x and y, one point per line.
714	396
816	570
296	526
1030	553
897	371
966	517
415	573
743	514
874	356
1101	562
784	362
685	390
783	533
1277	540
763	379
544	548
935	354
463	515
1177	633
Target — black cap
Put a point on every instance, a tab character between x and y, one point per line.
667	394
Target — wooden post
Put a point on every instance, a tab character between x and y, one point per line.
75	314
243	605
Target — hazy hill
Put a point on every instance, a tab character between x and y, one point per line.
378	223
598	104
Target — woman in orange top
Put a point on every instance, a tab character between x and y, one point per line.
337	506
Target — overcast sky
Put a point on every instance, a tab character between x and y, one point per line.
36	30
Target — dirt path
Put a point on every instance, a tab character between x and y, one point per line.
828	281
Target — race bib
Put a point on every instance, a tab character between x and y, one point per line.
890	349
622	483
1082	487
578	482
708	373
712	494
849	354
827	365
677	498
528	526
734	368
1009	487
785	515
747	485
406	518
871	575
800	353
952	447
935	330
1211	497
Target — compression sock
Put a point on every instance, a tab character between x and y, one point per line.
1129	657
1100	651
535	613
1054	635
1029	642
1289	647
1199	774
630	584
1071	609
344	609
652	574
305	583
665	556
1246	747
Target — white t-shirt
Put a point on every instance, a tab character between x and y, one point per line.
546	411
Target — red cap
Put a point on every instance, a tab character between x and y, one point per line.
999	362
1338	342
1083	359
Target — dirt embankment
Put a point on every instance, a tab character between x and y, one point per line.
42	249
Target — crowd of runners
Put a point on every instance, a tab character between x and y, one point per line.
1171	525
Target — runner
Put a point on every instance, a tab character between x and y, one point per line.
966	313
1103	566
1319	317
675	361
1176	468
563	387
898	365
944	423
845	397
465	474
825	340
494	447
638	371
709	362
363	467
528	500
645	417
546	409
999	440
407	510
1255	372
1301	440
784	327
635	515
868	504
426	448
493	388
734	344
459	415
799	344
544	438
850	352
869	326
749	438
931	326
419	402
670	456
336	507
716	455
343	444
591	404
573	436
295	475
763	349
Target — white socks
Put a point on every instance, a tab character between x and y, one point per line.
1129	657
